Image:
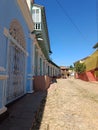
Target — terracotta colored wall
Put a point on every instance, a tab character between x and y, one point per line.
96	79
83	76
76	76
41	83
87	76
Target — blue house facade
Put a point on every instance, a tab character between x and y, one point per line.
16	50
24	50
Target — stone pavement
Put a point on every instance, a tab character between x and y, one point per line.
71	104
23	112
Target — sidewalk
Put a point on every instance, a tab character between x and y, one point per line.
23	112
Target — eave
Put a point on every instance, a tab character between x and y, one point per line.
45	24
50	61
95	46
42	46
46	29
83	59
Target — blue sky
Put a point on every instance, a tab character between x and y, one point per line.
72	27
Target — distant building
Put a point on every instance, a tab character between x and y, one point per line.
64	71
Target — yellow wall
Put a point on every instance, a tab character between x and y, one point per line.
92	61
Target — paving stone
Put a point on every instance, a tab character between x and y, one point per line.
71	104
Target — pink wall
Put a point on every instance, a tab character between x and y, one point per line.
96	79
83	76
86	76
41	83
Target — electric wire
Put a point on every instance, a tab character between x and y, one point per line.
71	20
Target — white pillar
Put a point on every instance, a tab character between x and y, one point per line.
33	67
2	93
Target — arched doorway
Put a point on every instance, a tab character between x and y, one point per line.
16	62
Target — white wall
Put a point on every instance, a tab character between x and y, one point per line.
29	4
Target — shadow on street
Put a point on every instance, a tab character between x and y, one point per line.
39	116
24	112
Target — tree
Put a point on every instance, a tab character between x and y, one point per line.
80	67
71	67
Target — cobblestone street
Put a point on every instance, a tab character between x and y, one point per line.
71	104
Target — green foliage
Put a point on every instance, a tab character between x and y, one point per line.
80	67
71	67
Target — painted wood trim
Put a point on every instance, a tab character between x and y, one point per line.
3	77
2	110
7	34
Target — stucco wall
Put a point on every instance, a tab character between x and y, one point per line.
86	76
9	10
41	83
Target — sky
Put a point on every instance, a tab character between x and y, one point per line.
72	27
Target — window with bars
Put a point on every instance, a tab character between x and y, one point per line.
37	26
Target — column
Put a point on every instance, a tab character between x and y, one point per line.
3	78
33	67
29	85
